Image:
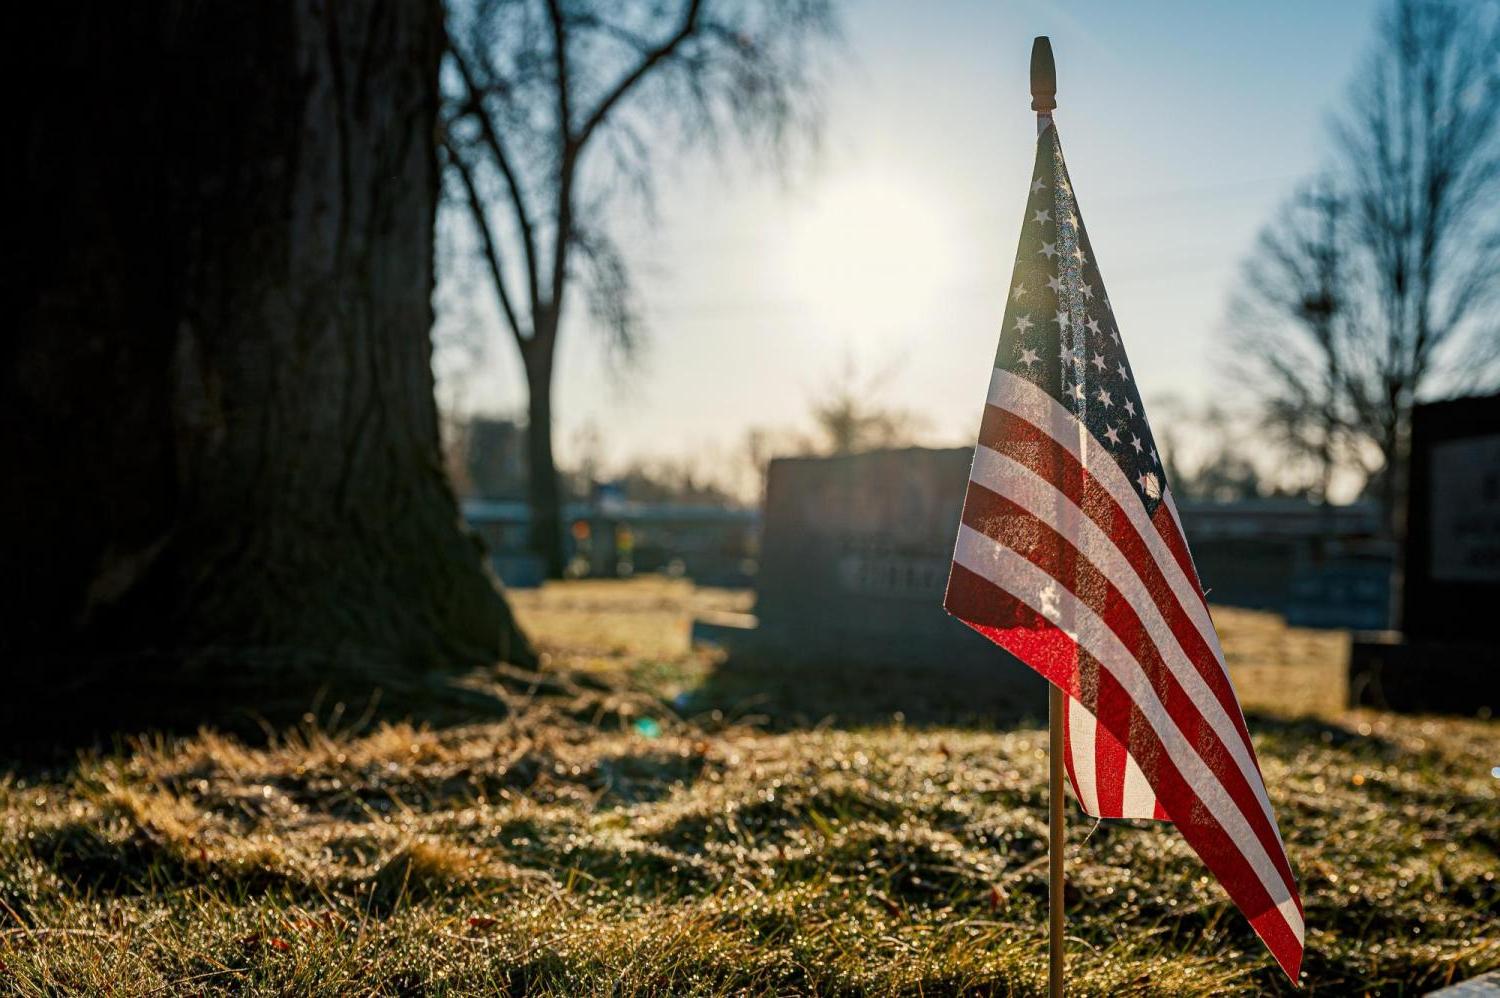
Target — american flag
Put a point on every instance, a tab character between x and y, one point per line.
1071	556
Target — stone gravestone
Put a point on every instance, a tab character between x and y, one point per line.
1448	654
1487	986
854	561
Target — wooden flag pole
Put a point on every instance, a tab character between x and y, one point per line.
1055	845
1043	102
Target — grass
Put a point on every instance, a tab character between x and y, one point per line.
594	840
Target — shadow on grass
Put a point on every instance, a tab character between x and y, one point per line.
787	694
46	722
1288	734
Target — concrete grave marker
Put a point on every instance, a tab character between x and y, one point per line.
854	560
1447	657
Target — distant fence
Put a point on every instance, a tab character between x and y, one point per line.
712	545
1320	566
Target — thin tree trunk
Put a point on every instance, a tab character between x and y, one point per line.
218	409
544	490
1391	493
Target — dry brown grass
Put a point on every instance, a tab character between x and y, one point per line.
595	842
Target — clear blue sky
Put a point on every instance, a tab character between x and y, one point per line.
1185	124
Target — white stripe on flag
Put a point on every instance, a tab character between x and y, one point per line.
1081	725
1022	398
1014	574
1043	500
1166	497
1138	800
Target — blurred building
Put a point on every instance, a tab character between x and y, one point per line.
495	457
609	537
610	533
1319	566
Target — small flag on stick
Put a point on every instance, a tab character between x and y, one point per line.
1071	556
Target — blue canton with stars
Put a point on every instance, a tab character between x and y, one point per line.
1060	332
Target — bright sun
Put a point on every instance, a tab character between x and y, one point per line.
871	256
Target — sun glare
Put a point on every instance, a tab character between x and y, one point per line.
871	255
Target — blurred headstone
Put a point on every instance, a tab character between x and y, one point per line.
1447	657
855	557
1485	986
1316	565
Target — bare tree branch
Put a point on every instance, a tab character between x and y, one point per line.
619	91
474	108
567	153
491	251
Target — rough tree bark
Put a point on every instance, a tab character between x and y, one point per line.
217	419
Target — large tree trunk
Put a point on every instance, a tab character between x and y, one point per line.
217	419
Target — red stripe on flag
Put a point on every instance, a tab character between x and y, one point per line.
1113	712
1042	642
1028	635
1166	526
1006	523
1016	438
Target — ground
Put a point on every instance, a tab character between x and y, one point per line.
650	818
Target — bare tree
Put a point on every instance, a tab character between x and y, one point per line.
1422	152
1293	323
851	415
557	109
1380	287
1219	466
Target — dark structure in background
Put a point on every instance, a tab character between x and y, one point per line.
217	420
635	524
612	538
1447	654
1316	565
495	458
854	560
856	549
